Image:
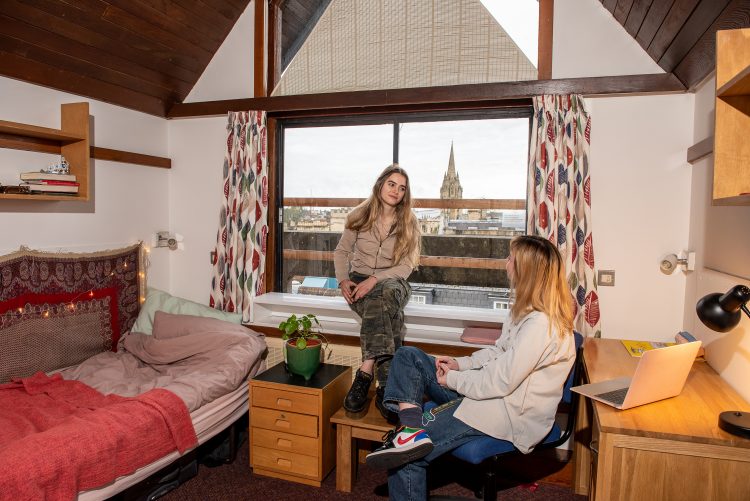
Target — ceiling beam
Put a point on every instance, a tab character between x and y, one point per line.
544	51
470	95
259	55
274	45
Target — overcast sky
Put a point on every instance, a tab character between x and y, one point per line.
490	155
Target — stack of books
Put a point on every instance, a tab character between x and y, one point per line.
45	182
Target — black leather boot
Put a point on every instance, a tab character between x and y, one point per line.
389	415
356	399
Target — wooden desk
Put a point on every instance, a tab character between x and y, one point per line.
671	449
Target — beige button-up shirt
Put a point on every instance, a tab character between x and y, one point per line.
368	253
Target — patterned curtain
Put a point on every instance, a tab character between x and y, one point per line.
240	253
560	196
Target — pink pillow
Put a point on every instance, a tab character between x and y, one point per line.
480	335
169	325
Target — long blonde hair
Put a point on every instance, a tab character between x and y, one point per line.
406	227
539	282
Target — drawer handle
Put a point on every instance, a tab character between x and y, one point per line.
594	446
283	402
282	442
283	424
285	463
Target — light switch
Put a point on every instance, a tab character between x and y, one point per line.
606	278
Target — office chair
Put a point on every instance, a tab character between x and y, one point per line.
487	451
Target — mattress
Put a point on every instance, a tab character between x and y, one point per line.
208	420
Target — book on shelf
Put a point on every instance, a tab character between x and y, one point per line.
50	182
637	348
51	188
40	176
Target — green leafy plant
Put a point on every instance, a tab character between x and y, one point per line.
300	329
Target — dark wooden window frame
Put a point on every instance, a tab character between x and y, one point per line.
274	260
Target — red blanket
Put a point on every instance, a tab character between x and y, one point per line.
58	437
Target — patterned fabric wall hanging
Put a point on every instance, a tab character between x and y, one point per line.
240	253
58	309
560	196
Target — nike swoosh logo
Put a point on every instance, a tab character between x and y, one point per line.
399	441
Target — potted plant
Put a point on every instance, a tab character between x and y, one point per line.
303	343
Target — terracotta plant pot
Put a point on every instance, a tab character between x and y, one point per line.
303	362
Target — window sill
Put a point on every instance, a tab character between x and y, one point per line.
424	323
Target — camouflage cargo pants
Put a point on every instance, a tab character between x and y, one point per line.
382	314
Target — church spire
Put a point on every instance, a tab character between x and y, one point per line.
451	188
451	174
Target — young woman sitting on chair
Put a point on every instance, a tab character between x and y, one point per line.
509	391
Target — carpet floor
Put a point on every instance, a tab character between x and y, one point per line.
448	479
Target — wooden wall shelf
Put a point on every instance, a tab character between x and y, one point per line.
72	141
700	149
731	147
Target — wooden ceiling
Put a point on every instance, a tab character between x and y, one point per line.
298	18
147	55
680	35
141	54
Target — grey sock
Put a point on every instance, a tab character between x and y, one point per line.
411	417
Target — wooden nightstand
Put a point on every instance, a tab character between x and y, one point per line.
291	435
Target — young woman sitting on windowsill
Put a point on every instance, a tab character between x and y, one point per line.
378	250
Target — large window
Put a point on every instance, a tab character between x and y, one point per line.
468	180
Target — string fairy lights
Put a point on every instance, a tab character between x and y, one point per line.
46	310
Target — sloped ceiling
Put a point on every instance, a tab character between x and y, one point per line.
139	54
680	35
148	54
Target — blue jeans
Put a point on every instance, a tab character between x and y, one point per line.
412	376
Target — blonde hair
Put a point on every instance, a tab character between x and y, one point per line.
539	282
406	227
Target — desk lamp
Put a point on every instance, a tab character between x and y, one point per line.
721	312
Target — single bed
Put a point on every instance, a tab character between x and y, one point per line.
75	317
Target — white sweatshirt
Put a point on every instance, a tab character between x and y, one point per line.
512	389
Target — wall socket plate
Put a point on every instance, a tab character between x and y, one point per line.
605	278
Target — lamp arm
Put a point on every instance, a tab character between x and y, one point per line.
744	308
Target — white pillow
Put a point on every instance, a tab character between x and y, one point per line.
157	300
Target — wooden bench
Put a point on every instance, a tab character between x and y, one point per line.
368	425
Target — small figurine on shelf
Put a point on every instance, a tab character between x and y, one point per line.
63	167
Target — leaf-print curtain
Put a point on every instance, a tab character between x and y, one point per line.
240	253
560	196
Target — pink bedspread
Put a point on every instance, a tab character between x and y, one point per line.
58	437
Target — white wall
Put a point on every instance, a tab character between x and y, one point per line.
589	42
640	201
640	179
229	75
197	150
129	202
197	154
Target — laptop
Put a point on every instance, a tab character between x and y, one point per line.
661	373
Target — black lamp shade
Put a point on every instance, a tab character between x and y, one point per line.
722	312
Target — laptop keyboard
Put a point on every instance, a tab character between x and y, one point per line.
615	396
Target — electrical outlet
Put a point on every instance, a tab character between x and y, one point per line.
606	278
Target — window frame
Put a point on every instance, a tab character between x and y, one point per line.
504	112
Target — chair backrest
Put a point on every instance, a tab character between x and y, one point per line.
569	398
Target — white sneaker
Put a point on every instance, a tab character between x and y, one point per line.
400	446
